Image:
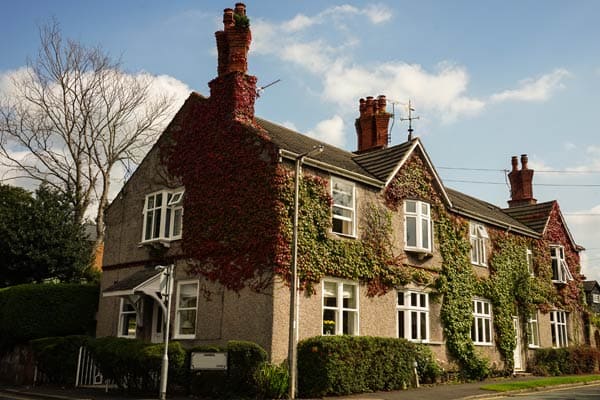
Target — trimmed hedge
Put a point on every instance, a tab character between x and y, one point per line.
135	365
340	365
57	357
34	311
565	361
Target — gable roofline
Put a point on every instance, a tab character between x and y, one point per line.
564	224
417	144
290	155
482	218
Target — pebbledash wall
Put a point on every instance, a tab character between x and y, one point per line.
263	316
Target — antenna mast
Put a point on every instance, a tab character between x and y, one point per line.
260	89
409	119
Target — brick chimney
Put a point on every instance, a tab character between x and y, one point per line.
372	124
521	183
233	88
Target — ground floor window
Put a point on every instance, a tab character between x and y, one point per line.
127	318
187	303
340	308
558	325
413	315
533	331
481	331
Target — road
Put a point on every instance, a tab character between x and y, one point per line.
575	393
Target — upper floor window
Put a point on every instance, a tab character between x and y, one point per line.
479	237
186	306
530	262
595	298
417	226
127	319
481	331
560	269
344	203
163	216
340	308
558	325
413	315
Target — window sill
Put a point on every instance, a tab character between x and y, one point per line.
421	253
184	337
479	265
483	344
533	347
163	242
344	235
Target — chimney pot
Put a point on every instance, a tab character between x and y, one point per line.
228	21
515	163
372	124
382	103
524	161
240	9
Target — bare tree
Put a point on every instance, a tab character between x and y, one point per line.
73	117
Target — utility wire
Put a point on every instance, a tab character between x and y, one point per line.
537	184
566	171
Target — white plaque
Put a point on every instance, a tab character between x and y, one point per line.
208	361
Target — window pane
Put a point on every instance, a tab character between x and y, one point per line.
128	325
555	272
424	208
150	202
187	322
401	332
423	326
156	223
188	295
423	300
425	233
413	325
400	298
411	231
349	323
158	200
329	322
178	217
479	330
488	331
168	223
413	300
330	294
411	206
349	296
149	219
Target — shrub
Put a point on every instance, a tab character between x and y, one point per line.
36	311
340	365
565	361
57	357
272	381
429	371
134	364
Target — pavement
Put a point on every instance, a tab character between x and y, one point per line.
450	391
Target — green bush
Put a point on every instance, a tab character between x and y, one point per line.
34	311
57	357
340	365
244	359
133	364
272	381
427	368
565	361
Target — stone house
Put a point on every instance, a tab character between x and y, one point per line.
380	237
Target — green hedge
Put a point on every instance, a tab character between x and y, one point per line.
135	365
340	365
565	361
34	311
57	357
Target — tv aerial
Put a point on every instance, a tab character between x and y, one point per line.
262	88
409	119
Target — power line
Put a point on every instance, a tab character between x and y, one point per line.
566	171
537	184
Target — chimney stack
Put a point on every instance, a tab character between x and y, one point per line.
372	124
233	89
521	183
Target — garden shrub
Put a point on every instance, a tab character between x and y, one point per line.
133	364
57	357
272	381
565	361
34	311
340	365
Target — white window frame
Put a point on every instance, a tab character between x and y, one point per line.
411	309
179	310
533	331
339	310
558	327
487	329
557	255
171	203
421	219
529	260
343	208
128	313
478	237
595	298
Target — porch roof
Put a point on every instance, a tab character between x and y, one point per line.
144	281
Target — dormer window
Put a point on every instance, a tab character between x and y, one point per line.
417	226
560	269
163	216
344	204
478	237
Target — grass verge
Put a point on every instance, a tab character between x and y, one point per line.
541	382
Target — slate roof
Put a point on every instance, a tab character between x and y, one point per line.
588	286
534	216
133	281
465	204
381	163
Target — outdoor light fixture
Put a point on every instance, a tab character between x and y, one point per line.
293	333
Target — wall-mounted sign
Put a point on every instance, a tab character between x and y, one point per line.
208	361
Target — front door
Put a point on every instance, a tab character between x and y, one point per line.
518	354
157	323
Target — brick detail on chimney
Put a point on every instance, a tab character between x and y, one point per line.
233	89
372	124
521	183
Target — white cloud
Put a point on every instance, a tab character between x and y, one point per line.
530	89
375	13
330	131
585	227
569	146
289	125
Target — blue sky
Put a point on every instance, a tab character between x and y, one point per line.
488	79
